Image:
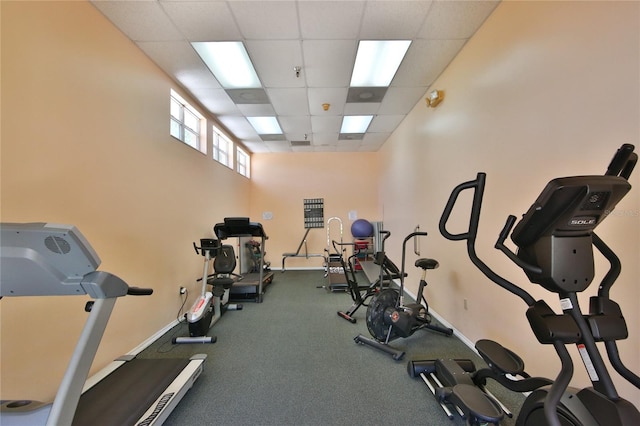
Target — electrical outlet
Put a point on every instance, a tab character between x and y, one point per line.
182	290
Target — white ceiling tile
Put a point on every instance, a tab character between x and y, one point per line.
202	21
328	63
320	21
375	139
139	20
326	124
239	126
300	137
180	60
266	20
361	108
256	110
401	100
336	99
393	19
456	19
289	101
278	146
425	61
369	147
348	145
384	123
325	139
296	124
256	146
275	60
303	148
216	101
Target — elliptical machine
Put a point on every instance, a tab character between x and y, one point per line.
389	317
555	241
210	305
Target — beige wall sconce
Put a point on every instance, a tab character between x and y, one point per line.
434	98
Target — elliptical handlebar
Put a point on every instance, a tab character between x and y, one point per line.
478	186
472	231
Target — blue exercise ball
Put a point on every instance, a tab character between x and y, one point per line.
361	228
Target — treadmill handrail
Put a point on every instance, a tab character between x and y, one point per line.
238	227
50	252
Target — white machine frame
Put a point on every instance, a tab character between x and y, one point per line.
39	259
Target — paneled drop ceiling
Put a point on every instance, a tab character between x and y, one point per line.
320	37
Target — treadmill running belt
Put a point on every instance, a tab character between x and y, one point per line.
123	396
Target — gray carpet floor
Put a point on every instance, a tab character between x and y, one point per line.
291	360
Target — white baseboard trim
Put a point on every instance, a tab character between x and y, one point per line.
446	323
299	268
142	346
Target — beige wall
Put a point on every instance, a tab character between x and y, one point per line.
85	141
544	89
281	182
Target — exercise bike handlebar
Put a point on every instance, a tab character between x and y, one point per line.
336	244
139	291
472	231
404	253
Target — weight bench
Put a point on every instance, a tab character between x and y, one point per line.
306	253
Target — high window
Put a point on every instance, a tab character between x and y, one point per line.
222	148
243	162
187	124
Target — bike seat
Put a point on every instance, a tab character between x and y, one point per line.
223	283
500	358
425	263
477	405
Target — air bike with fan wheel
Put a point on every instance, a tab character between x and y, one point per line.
555	240
389	317
38	259
361	294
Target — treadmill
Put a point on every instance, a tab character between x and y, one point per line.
39	259
251	285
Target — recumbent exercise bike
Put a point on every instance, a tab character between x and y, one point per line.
555	241
210	305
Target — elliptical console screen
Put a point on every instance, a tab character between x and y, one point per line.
570	206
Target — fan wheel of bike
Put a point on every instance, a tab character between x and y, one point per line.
387	298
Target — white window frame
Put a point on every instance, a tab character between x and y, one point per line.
222	148
243	162
188	122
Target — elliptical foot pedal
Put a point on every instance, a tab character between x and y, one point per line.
477	406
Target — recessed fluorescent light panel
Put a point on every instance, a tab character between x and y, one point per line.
377	62
229	62
355	123
265	125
